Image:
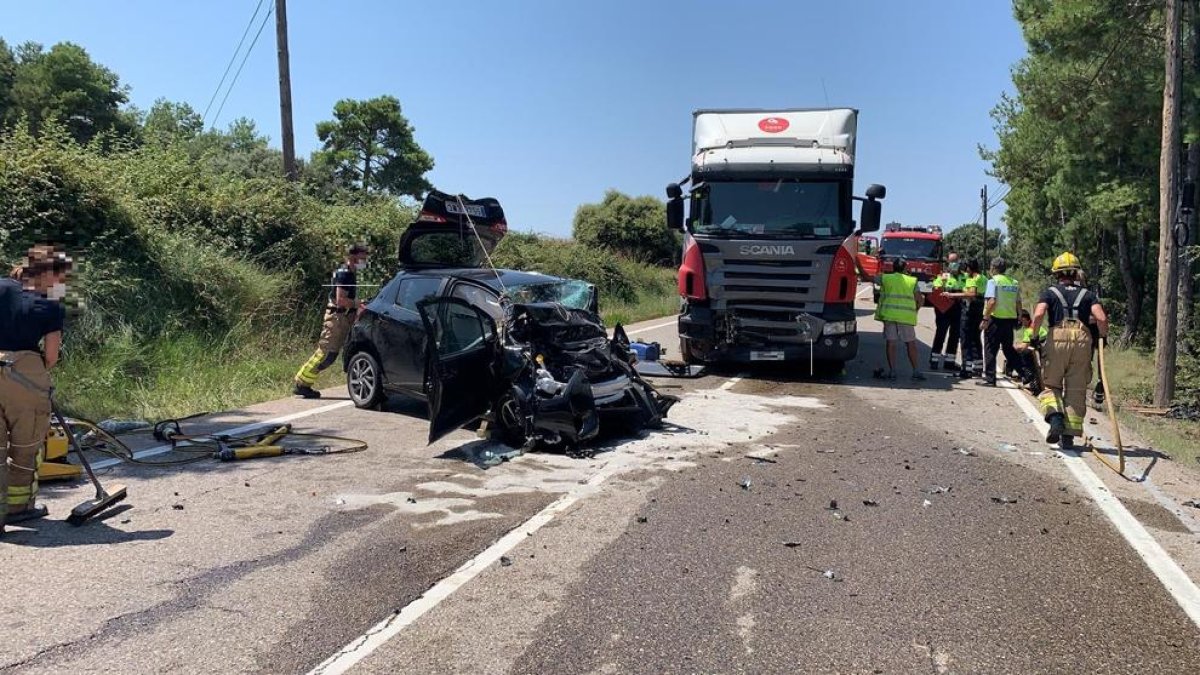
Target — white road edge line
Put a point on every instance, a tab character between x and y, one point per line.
379	634
732	382
163	449
1169	573
647	329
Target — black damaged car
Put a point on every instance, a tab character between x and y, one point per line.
524	352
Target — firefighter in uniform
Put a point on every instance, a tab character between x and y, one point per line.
899	300
31	323
973	287
948	322
1067	355
339	317
1002	306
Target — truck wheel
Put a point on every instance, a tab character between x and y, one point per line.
689	353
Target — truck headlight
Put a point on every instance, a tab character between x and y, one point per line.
839	327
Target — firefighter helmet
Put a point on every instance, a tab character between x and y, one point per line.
1065	263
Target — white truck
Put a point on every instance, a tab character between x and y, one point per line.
768	273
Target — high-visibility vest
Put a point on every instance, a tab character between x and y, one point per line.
978	282
1008	293
951	283
897	299
1027	334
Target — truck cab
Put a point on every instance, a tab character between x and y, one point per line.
769	270
920	246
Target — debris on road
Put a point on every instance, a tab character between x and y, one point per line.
792	544
763	456
936	490
505	561
1194	503
1004	499
177	507
642	519
828	574
965	452
412	500
832	505
1006	447
838	515
926	503
745	482
870	502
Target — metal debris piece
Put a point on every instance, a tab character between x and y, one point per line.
870	502
1194	503
841	516
926	503
936	490
341	502
1004	499
791	544
965	452
505	561
412	500
745	482
832	505
177	507
642	519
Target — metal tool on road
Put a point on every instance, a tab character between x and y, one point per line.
104	499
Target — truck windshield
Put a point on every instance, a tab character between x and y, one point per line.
780	208
911	248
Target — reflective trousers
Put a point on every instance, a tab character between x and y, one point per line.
24	423
1000	336
948	324
1066	373
333	337
972	344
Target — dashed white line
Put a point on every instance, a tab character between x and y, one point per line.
163	449
647	329
1169	573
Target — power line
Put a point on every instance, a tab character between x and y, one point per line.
232	58
1000	199
246	57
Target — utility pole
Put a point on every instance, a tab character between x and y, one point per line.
983	263
285	90
1168	263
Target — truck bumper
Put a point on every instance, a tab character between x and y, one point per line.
697	329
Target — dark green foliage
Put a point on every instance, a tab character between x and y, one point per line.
634	227
967	241
369	146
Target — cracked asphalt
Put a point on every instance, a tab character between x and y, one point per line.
958	543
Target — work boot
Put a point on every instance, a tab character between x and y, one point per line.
1058	426
1067	442
31	513
305	391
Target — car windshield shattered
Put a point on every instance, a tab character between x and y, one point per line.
567	292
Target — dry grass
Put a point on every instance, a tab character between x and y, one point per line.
1131	375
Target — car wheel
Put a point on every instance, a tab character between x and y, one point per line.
364	380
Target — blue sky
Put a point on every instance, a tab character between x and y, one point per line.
545	104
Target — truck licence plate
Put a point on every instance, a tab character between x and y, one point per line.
773	355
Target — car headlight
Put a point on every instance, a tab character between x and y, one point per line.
839	327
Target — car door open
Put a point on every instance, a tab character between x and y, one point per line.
461	350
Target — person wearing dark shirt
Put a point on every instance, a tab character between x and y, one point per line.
1077	322
31	324
339	317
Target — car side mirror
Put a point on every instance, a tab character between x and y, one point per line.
872	214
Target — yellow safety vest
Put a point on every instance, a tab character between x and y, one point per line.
1008	291
897	301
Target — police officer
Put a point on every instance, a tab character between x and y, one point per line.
31	324
1067	356
339	317
1002	306
899	300
974	286
948	321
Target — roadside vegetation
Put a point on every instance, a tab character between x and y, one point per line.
201	270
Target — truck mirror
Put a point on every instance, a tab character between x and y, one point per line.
675	214
876	192
872	213
674	191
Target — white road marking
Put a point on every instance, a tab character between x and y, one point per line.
647	329
1173	578
379	634
732	382
385	630
163	449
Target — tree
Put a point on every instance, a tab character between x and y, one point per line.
8	76
64	86
168	122
369	146
967	241
632	226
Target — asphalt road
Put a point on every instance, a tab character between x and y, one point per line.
959	543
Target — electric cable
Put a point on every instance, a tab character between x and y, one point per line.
245	57
237	50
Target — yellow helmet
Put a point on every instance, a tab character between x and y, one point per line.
1065	262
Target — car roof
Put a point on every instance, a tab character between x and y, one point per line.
494	279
